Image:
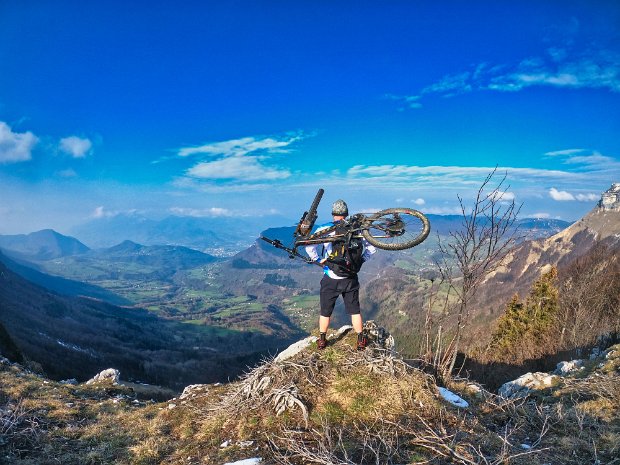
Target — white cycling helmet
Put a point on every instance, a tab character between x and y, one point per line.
339	208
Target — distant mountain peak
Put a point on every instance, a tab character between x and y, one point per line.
42	245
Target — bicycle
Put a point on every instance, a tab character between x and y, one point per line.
389	229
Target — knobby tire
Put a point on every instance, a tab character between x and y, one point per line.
374	231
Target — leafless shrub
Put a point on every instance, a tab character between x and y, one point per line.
378	442
467	258
589	298
270	384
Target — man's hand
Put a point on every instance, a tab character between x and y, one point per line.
322	262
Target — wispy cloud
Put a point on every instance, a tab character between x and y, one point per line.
587	197
598	69
212	212
539	215
430	174
14	146
75	146
409	101
240	160
101	212
241	147
558	67
68	173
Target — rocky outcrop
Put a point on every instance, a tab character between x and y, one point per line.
111	374
610	199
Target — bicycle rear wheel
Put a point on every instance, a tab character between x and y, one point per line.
396	228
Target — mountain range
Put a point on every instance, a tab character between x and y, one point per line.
219	235
258	291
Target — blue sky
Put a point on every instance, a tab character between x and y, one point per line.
247	108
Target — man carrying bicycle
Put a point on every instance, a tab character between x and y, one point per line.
342	260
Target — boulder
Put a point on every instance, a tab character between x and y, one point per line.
565	368
194	390
111	374
522	386
295	348
379	335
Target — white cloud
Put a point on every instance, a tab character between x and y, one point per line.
248	168
587	197
560	195
99	212
102	212
502	196
539	215
201	213
419	201
240	160
14	146
75	146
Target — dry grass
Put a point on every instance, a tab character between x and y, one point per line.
338	406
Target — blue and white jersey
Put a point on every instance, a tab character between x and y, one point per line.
312	251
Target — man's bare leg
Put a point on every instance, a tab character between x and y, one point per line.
356	321
323	323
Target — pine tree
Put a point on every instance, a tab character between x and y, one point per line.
525	329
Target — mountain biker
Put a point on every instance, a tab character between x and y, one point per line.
341	260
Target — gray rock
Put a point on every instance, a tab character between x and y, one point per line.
379	335
194	390
564	368
295	348
111	374
522	386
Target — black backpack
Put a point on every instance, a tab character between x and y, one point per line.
346	258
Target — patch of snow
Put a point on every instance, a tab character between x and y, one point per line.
252	461
452	398
75	347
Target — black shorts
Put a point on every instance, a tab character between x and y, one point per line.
348	288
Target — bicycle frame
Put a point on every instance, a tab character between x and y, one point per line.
378	229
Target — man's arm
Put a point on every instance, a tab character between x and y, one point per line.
311	250
368	250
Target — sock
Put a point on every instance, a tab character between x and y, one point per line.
323	335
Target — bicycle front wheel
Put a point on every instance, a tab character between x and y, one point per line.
396	228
